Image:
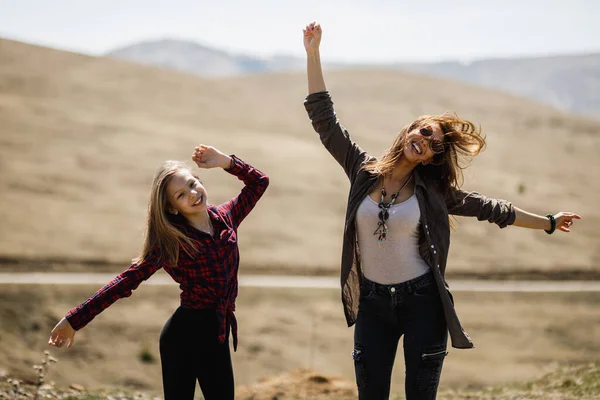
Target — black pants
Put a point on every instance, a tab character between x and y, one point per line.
387	312
190	351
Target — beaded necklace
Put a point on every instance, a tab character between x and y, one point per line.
382	228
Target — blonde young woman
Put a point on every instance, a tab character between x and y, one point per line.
196	243
397	236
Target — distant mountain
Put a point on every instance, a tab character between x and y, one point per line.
201	60
566	82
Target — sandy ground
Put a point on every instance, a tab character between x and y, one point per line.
81	137
518	336
568	381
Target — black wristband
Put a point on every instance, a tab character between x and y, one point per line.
552	224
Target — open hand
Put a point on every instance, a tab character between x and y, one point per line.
63	333
209	157
564	221
312	36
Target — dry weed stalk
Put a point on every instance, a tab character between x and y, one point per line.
42	371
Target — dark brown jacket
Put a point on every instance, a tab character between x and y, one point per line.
434	226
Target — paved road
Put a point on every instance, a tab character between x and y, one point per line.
286	281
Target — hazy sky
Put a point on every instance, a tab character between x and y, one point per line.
354	30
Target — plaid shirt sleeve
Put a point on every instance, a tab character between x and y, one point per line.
122	286
256	183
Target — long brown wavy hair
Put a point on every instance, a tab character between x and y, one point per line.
462	141
163	236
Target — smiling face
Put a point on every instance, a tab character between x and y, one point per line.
185	193
460	141
420	148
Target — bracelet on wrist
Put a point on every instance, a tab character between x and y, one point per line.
552	224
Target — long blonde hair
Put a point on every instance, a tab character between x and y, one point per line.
163	238
462	140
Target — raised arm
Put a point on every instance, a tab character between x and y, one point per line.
319	106
255	181
312	41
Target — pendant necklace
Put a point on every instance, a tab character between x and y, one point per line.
382	228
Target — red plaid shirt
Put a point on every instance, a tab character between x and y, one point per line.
207	281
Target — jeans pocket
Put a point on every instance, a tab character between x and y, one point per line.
435	357
367	292
359	368
425	290
429	372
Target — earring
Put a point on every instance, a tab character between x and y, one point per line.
174	212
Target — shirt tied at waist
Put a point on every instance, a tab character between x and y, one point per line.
225	315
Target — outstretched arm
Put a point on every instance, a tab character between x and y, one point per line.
473	204
503	213
122	286
563	221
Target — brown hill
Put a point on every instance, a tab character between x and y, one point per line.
82	136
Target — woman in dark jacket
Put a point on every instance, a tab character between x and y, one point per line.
397	236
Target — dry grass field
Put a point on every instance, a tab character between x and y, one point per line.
518	337
81	137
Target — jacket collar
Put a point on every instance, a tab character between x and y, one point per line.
418	179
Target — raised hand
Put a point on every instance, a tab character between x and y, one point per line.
209	157
564	221
63	333
312	36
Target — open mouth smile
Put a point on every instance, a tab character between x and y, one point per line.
199	201
417	148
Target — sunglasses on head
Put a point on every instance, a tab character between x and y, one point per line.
436	145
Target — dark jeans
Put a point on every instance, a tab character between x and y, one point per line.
387	312
190	351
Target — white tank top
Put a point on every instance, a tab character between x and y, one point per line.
396	259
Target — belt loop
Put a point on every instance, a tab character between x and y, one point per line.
410	287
